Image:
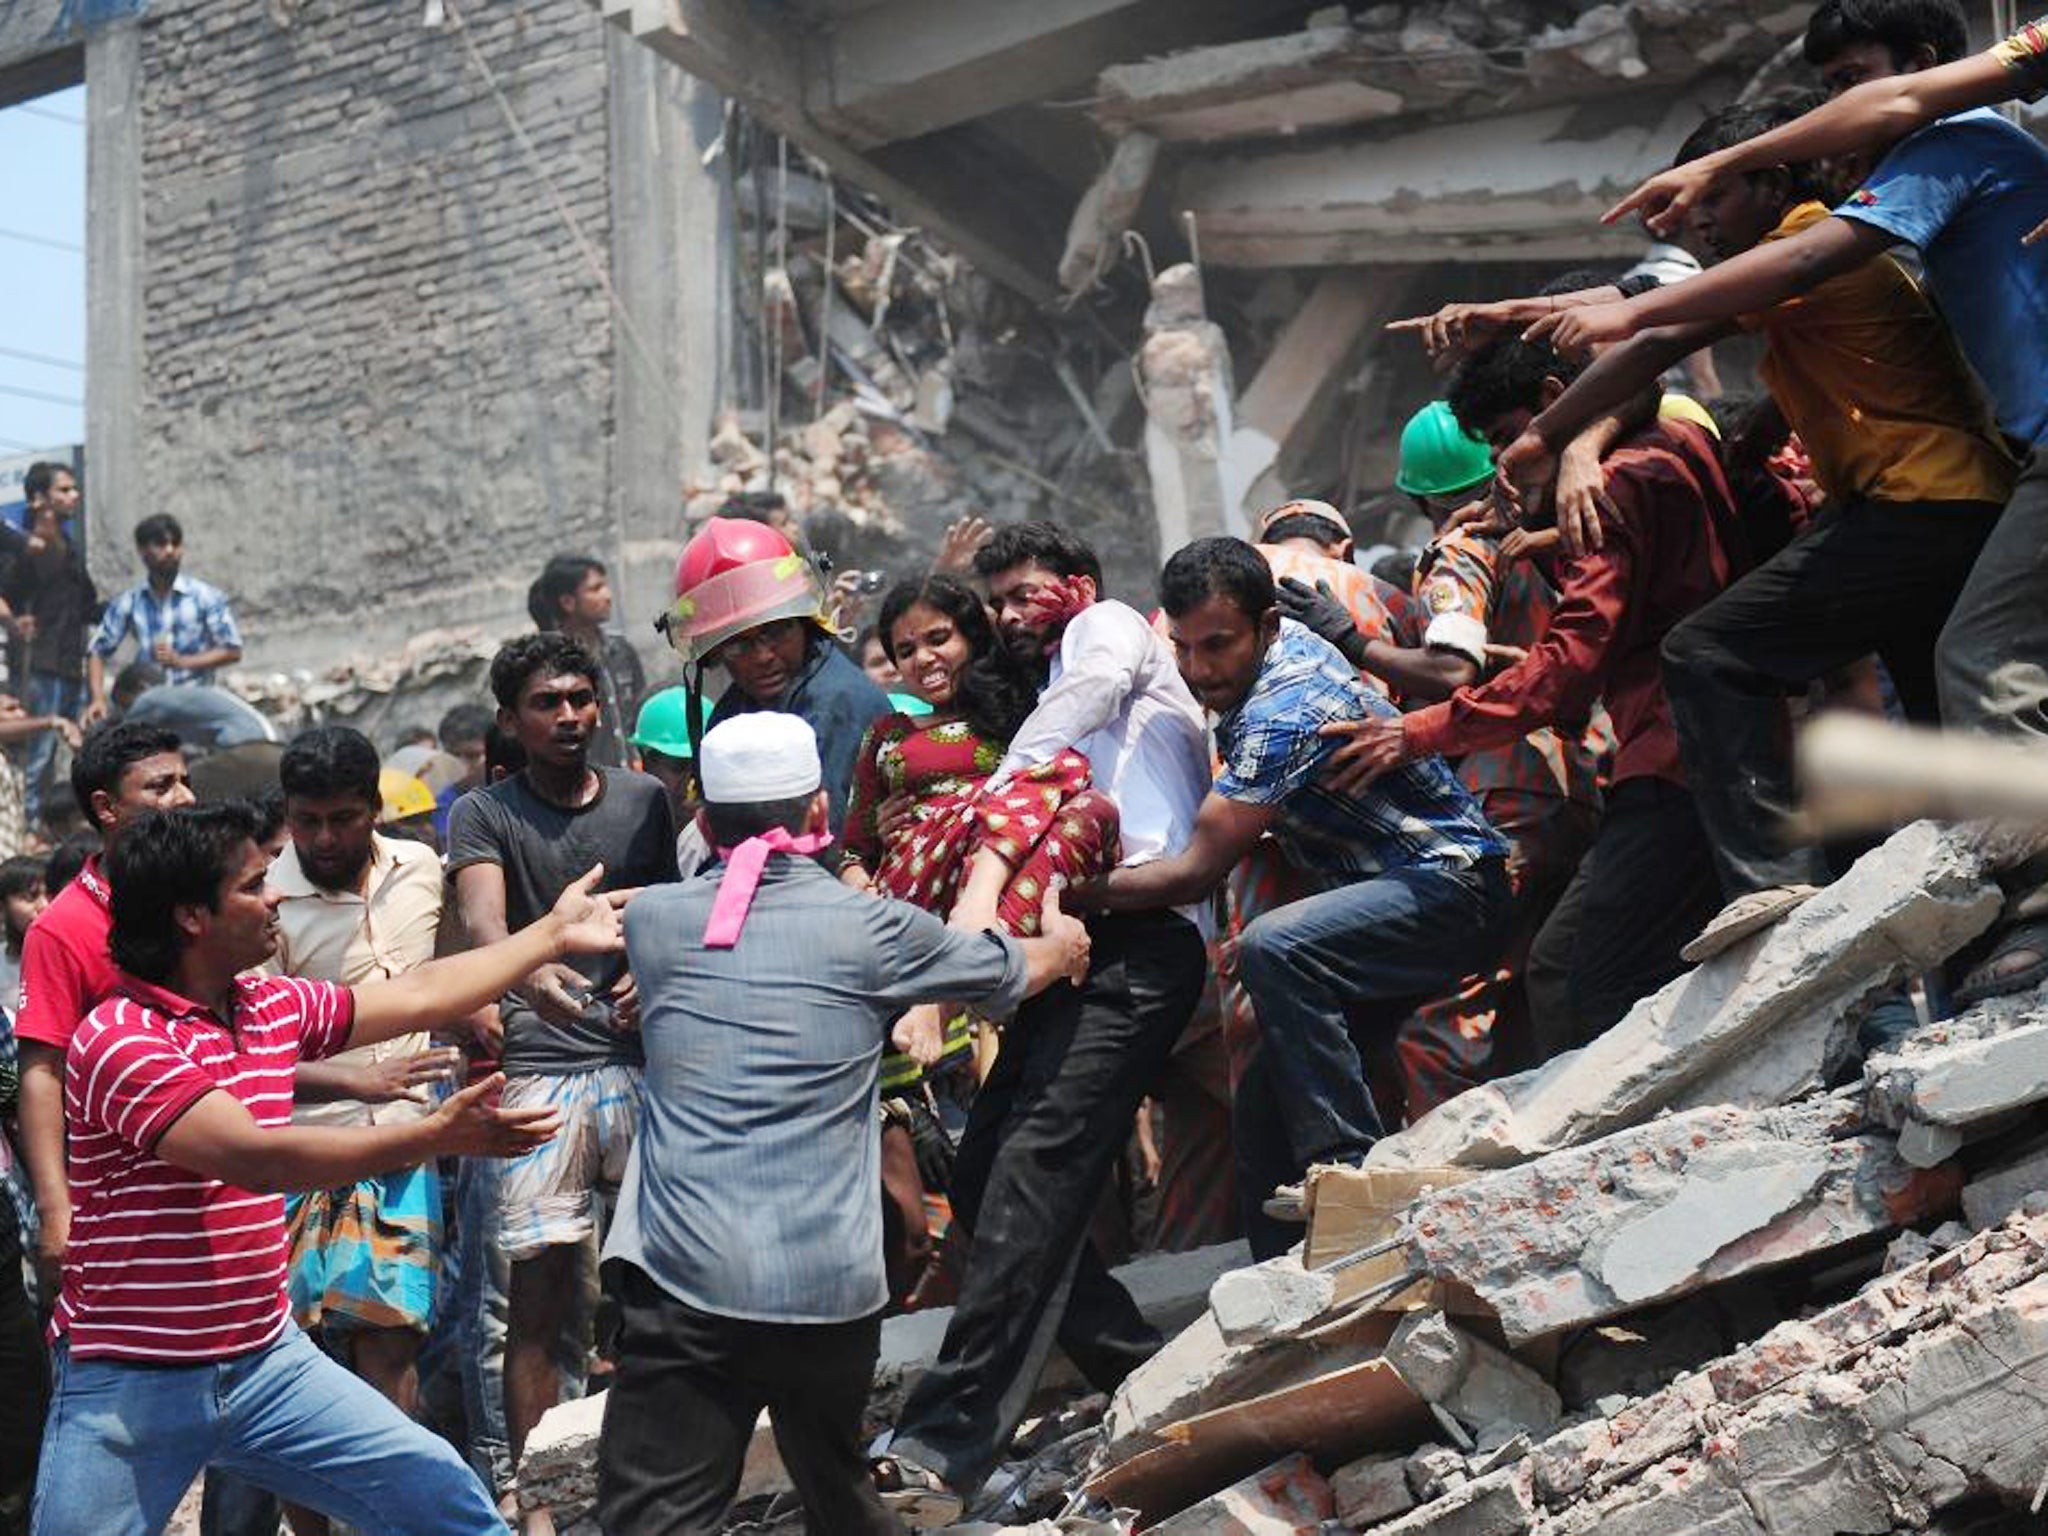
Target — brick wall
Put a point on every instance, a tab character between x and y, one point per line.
376	362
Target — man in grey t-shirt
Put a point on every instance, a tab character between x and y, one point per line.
746	1255
571	1039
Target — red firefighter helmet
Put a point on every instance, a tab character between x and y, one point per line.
734	576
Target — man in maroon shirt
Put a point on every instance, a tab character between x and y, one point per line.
1672	542
176	1347
121	772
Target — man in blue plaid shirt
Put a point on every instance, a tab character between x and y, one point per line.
180	623
1414	886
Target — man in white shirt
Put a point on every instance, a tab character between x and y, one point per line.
358	907
1057	1108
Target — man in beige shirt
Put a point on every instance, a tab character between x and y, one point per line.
360	907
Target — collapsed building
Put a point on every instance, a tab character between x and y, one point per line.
1730	1268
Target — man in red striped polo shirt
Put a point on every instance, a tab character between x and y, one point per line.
176	1349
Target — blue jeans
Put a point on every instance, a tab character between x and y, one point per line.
124	1442
47	695
480	1274
1325	975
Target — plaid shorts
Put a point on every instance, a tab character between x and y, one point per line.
366	1255
548	1196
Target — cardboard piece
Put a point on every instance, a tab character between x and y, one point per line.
1336	1417
1353	1208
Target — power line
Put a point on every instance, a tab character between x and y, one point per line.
45	112
28	239
37	394
38	357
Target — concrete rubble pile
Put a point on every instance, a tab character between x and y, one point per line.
911	390
1718	1271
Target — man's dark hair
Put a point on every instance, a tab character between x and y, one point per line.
159	528
39	477
167	860
67	859
465	722
330	760
133	681
1731	125
1900	27
1505	375
544	655
503	756
560	578
1303	525
269	809
1226	568
1039	543
732	824
769	507
109	751
21	874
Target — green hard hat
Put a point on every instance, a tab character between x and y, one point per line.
664	724
1439	457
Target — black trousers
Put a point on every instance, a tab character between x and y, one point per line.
1643	890
1053	1116
1873	576
682	1407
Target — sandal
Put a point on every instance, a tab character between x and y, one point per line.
916	1495
1987	979
1744	916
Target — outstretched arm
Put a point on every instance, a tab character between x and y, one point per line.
582	923
1224	832
1760	277
1876	112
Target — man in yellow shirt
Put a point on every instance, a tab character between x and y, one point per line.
1901	437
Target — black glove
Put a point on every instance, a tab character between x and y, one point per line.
1317	608
932	1147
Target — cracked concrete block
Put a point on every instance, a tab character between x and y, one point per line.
1278	1296
1433	1470
1481	1385
1874	1415
1996	1194
1288	1498
1970	1070
1761	1024
1371	1490
1501	1503
1666	1208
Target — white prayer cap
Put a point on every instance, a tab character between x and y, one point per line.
761	755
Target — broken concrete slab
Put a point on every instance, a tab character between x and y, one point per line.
1761	1024
1106	210
1964	1076
1288	1498
1483	1386
558	1468
1997	1192
1275	1297
1371	1489
1352	1209
1501	1503
1680	1203
1873	1415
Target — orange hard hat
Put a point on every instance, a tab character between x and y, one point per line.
736	575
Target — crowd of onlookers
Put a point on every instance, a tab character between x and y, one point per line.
952	903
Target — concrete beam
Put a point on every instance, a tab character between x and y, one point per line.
902	70
115	270
1289	397
721	43
1449	190
39	52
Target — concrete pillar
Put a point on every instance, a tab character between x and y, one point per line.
1185	366
668	249
116	497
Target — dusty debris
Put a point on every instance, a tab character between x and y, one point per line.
1761	1024
1668	1207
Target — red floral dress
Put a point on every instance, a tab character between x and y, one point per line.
1045	822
